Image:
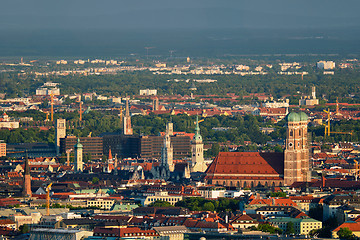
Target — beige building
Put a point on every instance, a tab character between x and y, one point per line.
309	100
302	226
101	203
2	149
243	222
161	196
20	220
171	232
6	122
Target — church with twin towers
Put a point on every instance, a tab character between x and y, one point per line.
269	169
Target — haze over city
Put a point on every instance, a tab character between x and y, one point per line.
204	28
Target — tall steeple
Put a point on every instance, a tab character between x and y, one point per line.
197	150
27	178
78	149
109	163
127	120
168	148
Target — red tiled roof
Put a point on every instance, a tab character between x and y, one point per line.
262	164
353	226
321	155
277	111
8	201
13	175
336	161
6	221
274	202
243	217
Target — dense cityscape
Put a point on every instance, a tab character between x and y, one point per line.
190	161
179	120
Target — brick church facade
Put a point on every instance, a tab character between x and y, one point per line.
251	169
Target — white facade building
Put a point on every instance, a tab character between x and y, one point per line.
148	92
326	65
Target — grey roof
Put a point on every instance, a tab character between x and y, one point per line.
7	212
53	211
171	229
58	230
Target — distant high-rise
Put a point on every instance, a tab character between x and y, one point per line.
60	133
78	149
127	120
313	92
27	179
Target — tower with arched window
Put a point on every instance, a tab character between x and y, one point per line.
296	162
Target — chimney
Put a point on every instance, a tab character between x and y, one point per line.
244	212
323	181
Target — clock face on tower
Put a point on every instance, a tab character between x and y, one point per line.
290	144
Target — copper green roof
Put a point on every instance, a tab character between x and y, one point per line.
303	116
293	117
78	144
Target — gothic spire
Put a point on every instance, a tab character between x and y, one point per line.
27	167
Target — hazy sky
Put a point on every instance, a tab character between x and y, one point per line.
120	14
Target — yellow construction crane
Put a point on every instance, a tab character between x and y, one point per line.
48	188
327	126
201	120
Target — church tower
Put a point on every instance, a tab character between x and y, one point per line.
27	179
197	151
296	163
127	120
60	133
168	148
78	149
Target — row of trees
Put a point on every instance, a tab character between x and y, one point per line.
201	204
